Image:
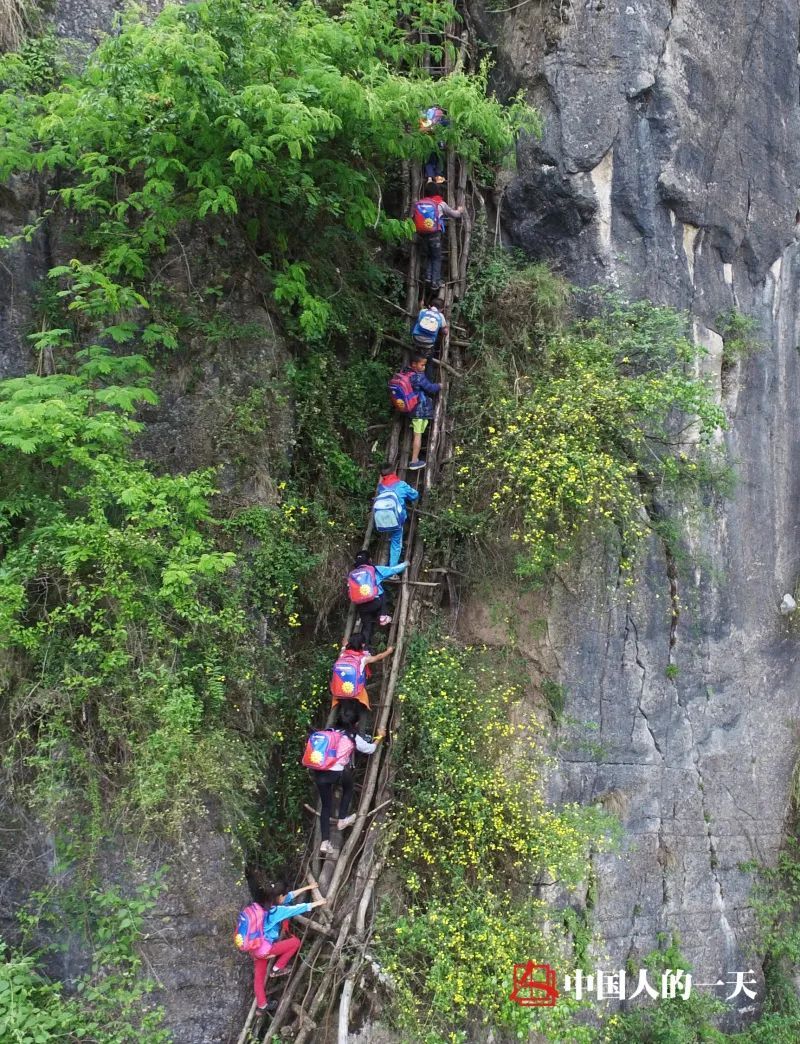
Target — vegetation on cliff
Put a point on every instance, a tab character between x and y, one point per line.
156	632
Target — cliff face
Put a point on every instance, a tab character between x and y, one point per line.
669	167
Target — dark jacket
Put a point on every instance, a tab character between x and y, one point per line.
424	388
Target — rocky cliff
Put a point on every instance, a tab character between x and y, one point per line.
669	167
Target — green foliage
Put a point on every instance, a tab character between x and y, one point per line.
107	1003
692	1021
555	696
335	399
36	66
279	120
739	336
576	433
117	596
514	305
775	900
32	1010
471	837
668	1020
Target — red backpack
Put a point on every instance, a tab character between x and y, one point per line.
326	749
362	585
401	391
349	678
250	929
427	217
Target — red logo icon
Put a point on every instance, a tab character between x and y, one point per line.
534	986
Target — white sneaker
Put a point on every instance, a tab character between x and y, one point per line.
343	824
326	848
384	621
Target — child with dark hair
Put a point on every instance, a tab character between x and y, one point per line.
429	214
365	588
423	411
431	121
341	774
355	652
389	512
277	905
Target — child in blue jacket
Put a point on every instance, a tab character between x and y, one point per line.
274	898
405	494
421	416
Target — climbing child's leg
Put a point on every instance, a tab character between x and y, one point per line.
284	949
418	427
259	977
347	794
325	788
395	545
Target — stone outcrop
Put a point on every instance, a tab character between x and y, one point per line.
669	167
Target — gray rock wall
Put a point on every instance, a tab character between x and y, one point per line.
670	167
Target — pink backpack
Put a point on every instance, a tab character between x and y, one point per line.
327	749
249	936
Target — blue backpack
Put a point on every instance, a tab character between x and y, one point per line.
388	511
427	327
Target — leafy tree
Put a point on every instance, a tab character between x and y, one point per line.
279	119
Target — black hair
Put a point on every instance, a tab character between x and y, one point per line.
387	469
419	357
435	188
265	890
272	892
347	717
356	642
363	558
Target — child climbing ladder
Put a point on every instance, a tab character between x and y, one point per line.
389	516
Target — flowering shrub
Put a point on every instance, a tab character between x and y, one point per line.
573	427
471	840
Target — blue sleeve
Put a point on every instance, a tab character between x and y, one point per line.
429	387
283	913
406	492
384	571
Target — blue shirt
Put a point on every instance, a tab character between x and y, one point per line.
276	915
404	493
